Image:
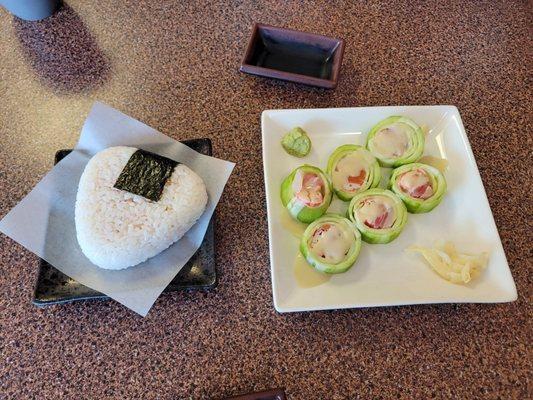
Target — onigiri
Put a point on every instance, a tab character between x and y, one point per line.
131	205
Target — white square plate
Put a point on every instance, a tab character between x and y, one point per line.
386	275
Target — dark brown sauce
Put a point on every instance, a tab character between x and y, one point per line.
294	57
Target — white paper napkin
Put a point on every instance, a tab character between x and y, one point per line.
43	221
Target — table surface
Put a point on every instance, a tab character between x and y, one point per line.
175	66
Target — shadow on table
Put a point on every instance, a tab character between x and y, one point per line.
63	52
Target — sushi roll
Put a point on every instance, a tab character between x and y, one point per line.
132	204
378	214
352	170
396	141
331	244
420	186
306	193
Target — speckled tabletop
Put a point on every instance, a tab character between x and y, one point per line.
174	65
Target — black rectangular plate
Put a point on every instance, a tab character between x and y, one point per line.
54	287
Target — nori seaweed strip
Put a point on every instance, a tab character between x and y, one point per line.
145	174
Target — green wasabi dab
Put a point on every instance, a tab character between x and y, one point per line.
296	142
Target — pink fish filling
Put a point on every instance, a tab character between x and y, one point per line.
309	189
416	183
355	182
379	222
376	213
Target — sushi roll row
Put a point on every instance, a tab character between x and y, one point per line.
331	243
398	142
307	192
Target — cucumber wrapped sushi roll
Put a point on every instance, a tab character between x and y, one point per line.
306	193
352	170
396	141
420	186
378	214
331	244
